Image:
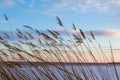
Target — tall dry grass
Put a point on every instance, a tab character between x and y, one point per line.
54	55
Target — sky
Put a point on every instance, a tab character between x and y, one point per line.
100	16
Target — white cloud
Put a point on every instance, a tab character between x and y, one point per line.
69	5
7	3
85	5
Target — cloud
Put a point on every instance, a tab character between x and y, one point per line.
113	32
108	32
68	5
85	5
12	3
7	3
99	33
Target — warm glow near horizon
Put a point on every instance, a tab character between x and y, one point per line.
69	57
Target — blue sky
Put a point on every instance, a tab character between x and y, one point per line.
100	16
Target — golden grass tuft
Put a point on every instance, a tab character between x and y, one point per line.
42	56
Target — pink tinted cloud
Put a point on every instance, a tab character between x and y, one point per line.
100	33
113	32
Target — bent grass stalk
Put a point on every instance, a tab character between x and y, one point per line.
47	49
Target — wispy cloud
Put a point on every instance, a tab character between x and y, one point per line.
113	32
99	33
7	3
12	3
67	5
85	5
107	32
